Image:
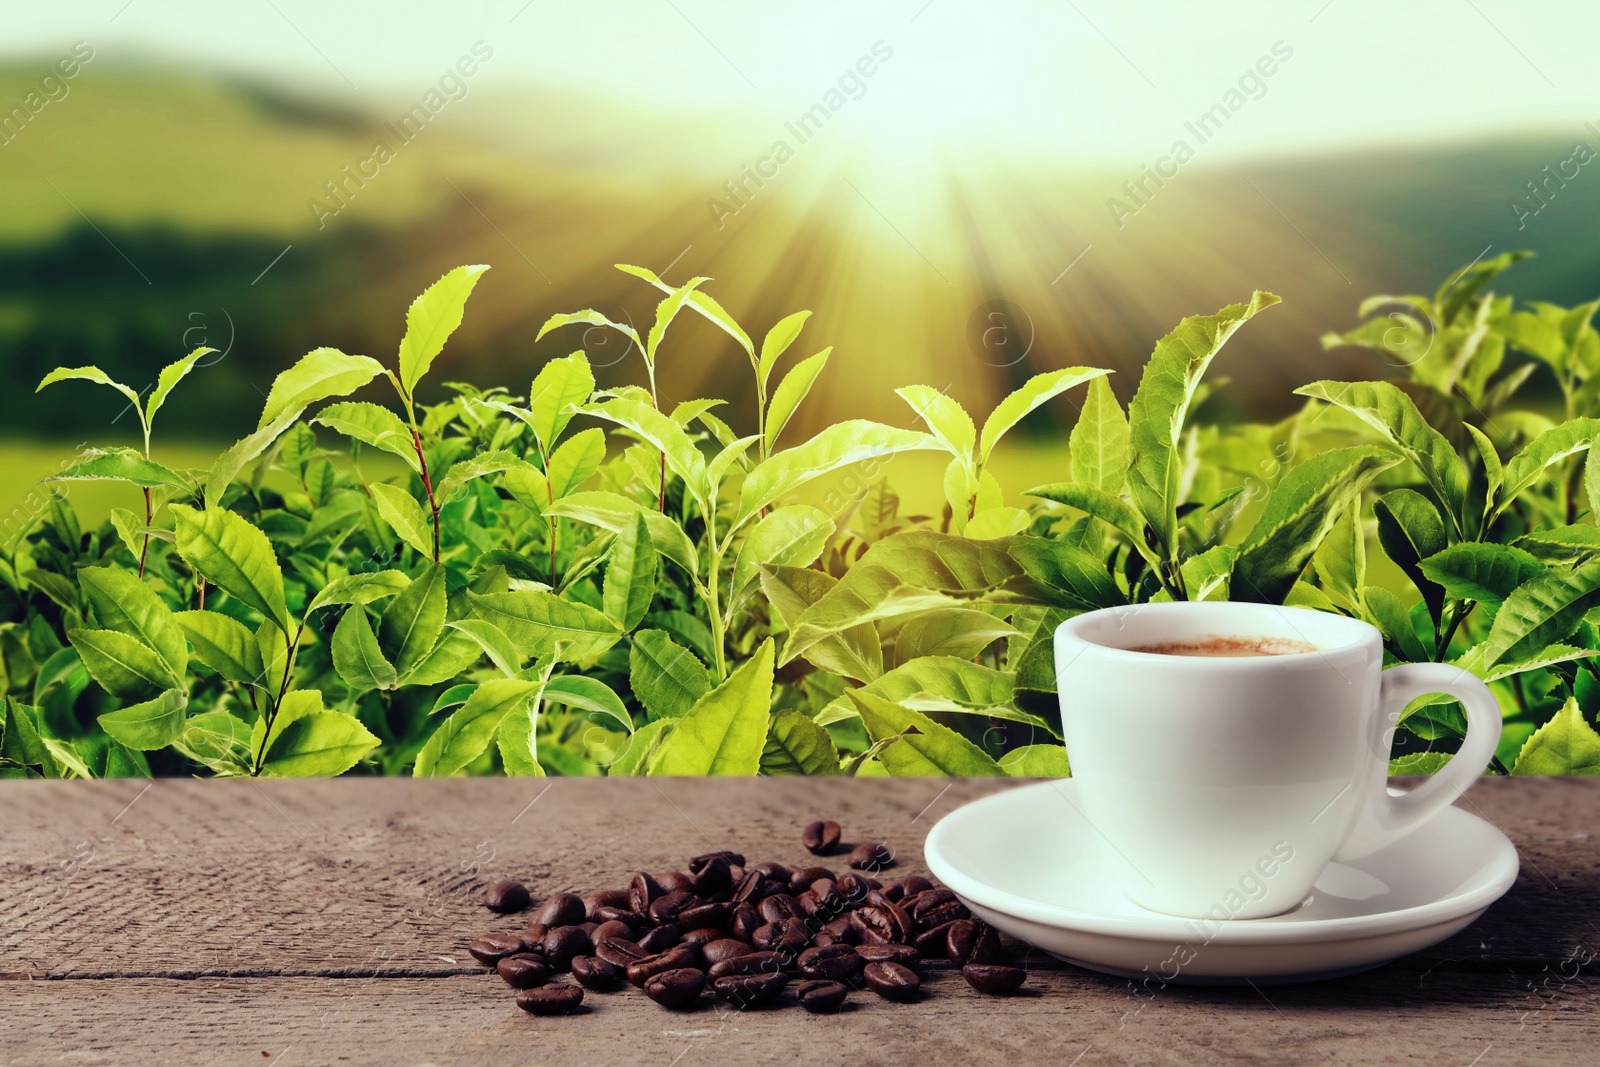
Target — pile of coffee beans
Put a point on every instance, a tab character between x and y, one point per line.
749	935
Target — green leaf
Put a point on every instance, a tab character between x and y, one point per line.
517	740
224	645
1544	452
852	650
167	380
1036	761
124	465
99	377
1548	656
538	622
462	737
792	536
576	461
430	321
218	741
496	645
1418	763
1113	511
372	425
407	518
666	677
454	653
701	302
1566	745
1541	611
945	418
777	342
1493	472
123	603
1053	572
479	466
319	744
589	318
630	582
1208	575
642	748
1161	405
661	433
20	743
412	622
363	587
726	729
1486	573
797	745
945	684
1390	614
958	632
318	375
615	512
558	390
1099	442
838	446
356	655
1301	511
1410	530
1341	559
924	747
1564	544
1034	392
588	694
128	524
1395	417
792	390
124	666
235	557
226	467
666	311
154	724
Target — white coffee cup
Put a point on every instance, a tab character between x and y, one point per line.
1221	787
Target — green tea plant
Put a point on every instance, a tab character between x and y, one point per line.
583	581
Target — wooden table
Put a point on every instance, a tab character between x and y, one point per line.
282	923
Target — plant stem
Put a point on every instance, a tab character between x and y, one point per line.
277	702
427	484
1458	615
144	548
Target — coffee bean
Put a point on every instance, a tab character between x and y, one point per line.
749	963
565	942
775	872
604	898
611	928
824	898
788	936
892	981
714	877
937	907
914	884
752	889
990	978
620	952
822	998
702	936
889	953
750	990
550	999
801	878
837	932
933	943
871	857
677	988
534	933
563	909
676	958
490	949
853	888
882	924
972	941
524	970
661	938
780	906
821	838
642	891
676	882
724	949
592	972
835	961
734	859
589	928
608	914
717	915
666	908
746	920
505	897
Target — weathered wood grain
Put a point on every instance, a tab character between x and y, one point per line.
225	922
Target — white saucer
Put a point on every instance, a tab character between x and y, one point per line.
1028	862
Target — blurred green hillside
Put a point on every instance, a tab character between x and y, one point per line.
153	210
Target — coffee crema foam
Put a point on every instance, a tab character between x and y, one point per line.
1228	647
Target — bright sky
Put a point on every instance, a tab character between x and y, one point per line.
1089	79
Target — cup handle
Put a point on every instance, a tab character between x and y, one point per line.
1387	817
